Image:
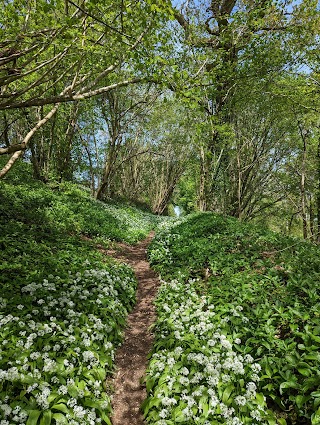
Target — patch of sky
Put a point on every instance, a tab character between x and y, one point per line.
177	210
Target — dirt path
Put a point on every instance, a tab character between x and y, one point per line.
131	357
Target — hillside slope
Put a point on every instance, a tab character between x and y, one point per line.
63	302
238	331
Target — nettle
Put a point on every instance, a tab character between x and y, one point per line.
196	375
57	345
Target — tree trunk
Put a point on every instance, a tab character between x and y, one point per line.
203	180
239	188
109	165
38	152
303	190
311	221
27	139
162	207
6	130
318	192
37	170
65	168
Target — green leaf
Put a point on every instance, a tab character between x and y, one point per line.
312	356
288	384
226	393
205	409
260	399
59	417
53	396
315	418
150	383
61	407
46	418
291	359
105	417
304	371
73	391
33	417
314	337
179	417
301	400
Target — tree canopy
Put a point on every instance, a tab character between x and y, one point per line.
141	100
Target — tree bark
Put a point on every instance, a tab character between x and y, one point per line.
66	97
311	221
239	188
65	172
202	204
303	189
318	192
27	139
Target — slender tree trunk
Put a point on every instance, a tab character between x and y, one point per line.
65	168
318	193
91	169
163	205
6	130
47	164
109	164
203	180
35	163
38	153
303	190
27	139
239	189
311	221
291	222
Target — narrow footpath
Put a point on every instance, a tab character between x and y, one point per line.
131	357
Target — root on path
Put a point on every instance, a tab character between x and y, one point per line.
131	357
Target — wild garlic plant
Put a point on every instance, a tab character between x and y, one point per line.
57	344
196	375
265	291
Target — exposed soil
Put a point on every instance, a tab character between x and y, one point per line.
131	357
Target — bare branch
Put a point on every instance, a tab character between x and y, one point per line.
58	58
183	22
98	19
11	54
63	98
12	149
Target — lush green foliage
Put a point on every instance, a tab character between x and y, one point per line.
239	291
57	344
45	229
48	45
63	304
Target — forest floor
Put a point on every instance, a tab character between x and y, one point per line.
131	357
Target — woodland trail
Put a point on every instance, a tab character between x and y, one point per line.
131	357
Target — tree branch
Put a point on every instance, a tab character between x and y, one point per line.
26	140
183	22
227	7
63	98
12	149
98	19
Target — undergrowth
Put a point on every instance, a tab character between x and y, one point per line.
63	304
53	229
238	330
